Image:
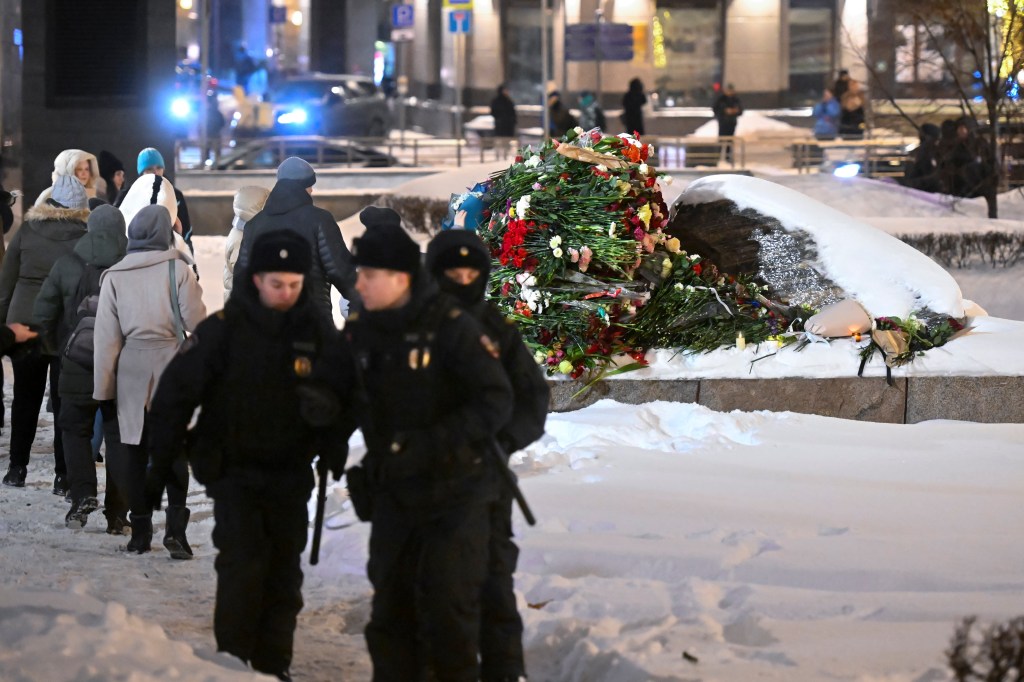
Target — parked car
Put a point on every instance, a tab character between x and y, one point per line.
330	105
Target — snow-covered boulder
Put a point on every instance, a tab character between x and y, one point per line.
808	252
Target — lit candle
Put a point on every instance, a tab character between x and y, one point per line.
741	342
855	334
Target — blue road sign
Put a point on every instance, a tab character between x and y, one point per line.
277	15
402	16
614	40
460	21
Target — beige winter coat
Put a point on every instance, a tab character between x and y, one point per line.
135	336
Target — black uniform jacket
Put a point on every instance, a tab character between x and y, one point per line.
246	367
532	395
290	207
436	395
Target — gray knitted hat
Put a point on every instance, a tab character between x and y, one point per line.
69	193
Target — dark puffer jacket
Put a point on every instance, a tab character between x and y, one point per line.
47	234
102	246
290	207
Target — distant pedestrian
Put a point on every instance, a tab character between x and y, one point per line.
560	120
248	201
290	207
842	84
269	373
591	114
112	172
826	116
49	232
633	103
58	309
727	110
80	165
148	301
852	124
151	162
503	110
921	170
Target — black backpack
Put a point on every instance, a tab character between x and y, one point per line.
82	320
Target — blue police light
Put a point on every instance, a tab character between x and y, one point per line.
181	107
847	170
293	117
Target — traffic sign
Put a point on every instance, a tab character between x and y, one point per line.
277	15
614	40
402	35
402	16
460	21
458	4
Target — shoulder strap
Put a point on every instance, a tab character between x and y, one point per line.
179	326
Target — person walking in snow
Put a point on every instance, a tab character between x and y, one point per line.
80	165
460	263
290	207
727	110
147	302
248	201
826	116
72	279
633	107
436	395
270	373
150	162
49	232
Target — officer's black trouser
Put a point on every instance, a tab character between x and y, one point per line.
427	578
260	531
501	628
77	421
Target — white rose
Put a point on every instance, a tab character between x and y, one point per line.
523	205
667	179
533	161
643	169
578	130
557	252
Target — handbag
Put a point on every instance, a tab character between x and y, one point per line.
179	325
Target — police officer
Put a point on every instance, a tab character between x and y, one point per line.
437	395
269	372
460	263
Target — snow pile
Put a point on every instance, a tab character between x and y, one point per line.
770	546
753	124
888	277
58	636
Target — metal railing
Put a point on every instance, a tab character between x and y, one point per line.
346	152
879	157
693	152
359	152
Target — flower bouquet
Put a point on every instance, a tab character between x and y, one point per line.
585	269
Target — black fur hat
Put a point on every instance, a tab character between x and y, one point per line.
385	244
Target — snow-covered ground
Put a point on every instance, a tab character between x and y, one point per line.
674	543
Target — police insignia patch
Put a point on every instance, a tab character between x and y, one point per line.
303	366
490	346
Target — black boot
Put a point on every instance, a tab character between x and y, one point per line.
142	533
15	476
174	535
60	485
79	514
117	524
